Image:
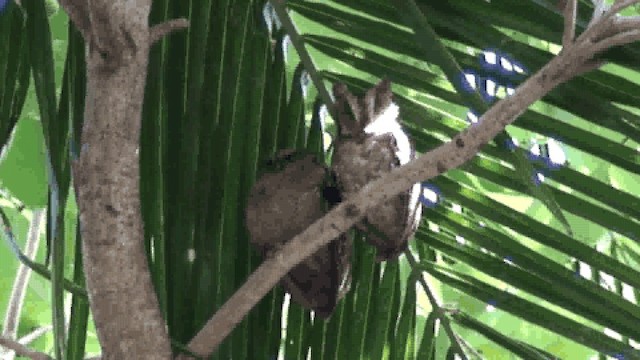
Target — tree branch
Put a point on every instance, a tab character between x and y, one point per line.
620	5
22	350
159	31
106	177
305	58
599	7
16	300
569	22
77	10
573	59
617	39
444	319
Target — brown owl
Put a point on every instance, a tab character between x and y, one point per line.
295	192
370	143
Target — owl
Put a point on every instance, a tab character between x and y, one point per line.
370	143
294	192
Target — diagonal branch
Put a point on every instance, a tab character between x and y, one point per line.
77	10
620	5
569	22
16	300
576	58
22	350
617	40
305	58
444	319
159	31
599	8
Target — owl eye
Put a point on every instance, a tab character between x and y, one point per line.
357	163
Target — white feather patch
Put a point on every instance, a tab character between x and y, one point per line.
387	122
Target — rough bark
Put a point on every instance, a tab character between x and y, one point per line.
106	177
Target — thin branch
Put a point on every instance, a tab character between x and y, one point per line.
623	24
444	319
611	12
298	44
617	40
32	336
39	269
569	23
620	5
16	300
22	350
605	24
77	11
157	32
469	347
599	8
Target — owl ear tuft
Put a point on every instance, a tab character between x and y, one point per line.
383	96
347	111
376	100
384	85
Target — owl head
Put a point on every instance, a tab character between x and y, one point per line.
354	113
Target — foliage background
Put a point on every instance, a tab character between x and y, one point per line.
223	96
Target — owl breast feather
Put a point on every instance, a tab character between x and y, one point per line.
367	154
283	202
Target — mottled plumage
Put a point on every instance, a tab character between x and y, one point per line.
370	143
284	201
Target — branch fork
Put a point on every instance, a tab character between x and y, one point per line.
104	23
120	28
606	30
106	175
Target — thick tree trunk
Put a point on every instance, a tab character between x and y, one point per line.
106	177
106	174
